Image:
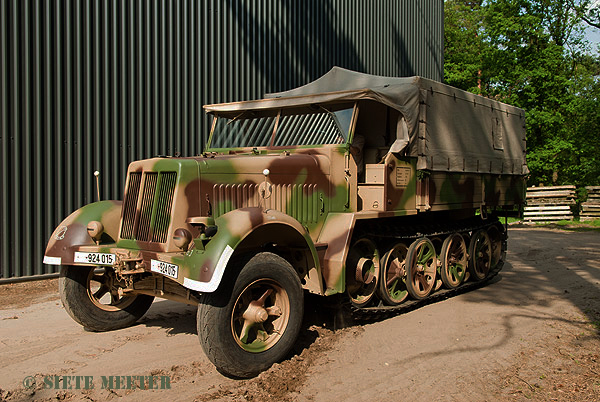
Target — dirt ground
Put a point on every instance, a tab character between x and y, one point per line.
533	333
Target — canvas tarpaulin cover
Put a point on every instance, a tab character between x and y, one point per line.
447	129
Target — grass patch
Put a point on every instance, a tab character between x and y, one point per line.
575	226
594	223
564	223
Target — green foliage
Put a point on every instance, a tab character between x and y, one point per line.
575	226
588	11
582	195
463	47
532	54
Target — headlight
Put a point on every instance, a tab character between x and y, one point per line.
182	238
95	229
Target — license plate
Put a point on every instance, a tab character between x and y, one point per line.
164	268
95	258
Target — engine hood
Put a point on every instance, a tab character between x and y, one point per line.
280	164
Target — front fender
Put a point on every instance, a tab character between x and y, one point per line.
206	272
72	232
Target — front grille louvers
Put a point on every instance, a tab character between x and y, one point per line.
147	206
130	205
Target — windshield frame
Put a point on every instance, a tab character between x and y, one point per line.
279	113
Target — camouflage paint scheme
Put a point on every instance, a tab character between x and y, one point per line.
306	206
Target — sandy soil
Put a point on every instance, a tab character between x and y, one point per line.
531	334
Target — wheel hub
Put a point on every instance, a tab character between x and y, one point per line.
364	270
105	292
397	268
255	313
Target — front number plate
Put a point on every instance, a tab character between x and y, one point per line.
164	268
95	258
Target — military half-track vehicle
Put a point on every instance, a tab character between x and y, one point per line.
387	191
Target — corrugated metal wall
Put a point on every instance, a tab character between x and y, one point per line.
92	85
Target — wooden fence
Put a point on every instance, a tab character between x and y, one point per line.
591	208
550	204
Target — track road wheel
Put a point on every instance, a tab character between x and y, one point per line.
421	268
392	285
454	261
496	236
362	272
480	254
244	330
92	297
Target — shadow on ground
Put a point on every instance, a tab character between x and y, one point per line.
540	269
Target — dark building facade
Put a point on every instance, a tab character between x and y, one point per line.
93	85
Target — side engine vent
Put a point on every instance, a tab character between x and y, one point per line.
298	201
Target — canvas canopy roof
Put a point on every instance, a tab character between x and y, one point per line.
446	128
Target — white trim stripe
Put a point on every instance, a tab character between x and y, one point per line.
214	282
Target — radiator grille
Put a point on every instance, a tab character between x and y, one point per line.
298	201
162	216
147	206
130	205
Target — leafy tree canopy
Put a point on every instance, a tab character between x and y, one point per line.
588	11
533	54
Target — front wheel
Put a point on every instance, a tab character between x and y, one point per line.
245	331
93	298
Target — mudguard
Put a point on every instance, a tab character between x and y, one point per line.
72	232
206	267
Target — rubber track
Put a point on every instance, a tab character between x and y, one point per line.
382	311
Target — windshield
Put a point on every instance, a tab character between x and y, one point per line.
282	128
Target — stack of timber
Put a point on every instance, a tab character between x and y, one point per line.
590	209
549	204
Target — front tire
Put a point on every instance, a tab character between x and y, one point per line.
93	299
245	330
